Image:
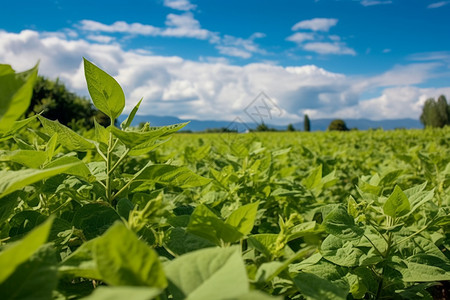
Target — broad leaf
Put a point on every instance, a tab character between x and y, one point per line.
339	223
122	259
397	204
34	279
15	180
123	292
341	252
94	219
206	224
214	273
66	136
15	95
105	92
81	263
16	253
30	158
243	218
316	288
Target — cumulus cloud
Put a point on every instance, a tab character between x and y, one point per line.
185	5
319	42
329	48
374	2
316	24
214	89
438	4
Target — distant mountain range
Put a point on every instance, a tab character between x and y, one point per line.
316	124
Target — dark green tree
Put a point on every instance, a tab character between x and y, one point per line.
435	113
56	102
306	124
337	125
262	127
290	127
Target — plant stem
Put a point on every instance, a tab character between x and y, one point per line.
119	161
108	168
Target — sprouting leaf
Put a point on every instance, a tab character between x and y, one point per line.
243	218
397	204
213	273
122	259
66	136
314	178
16	253
15	95
127	122
105	92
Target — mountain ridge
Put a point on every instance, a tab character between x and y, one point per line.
316	124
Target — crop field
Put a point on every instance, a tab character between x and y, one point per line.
124	213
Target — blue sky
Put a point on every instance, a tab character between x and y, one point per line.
204	59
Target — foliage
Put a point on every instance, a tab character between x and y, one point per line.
306	124
290	127
435	113
118	213
337	125
54	101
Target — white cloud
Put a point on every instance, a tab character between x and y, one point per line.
185	5
216	90
387	50
329	48
316	24
121	27
438	4
374	2
300	37
104	39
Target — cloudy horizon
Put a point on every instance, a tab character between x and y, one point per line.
313	65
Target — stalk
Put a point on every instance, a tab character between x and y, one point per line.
108	168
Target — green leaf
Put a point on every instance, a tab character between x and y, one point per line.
425	268
123	292
264	243
15	95
29	158
7	206
94	219
397	204
66	136
339	223
132	139
15	180
101	133
16	126
127	122
169	175
79	168
206	224
105	92
243	218
178	241
341	252
123	259
81	263
35	279
317	288
314	178
213	273
16	253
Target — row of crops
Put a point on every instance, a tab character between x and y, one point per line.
122	213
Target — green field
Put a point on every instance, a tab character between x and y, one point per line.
126	213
